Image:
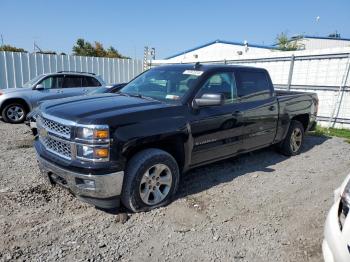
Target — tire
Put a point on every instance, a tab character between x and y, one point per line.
143	189
14	113
293	142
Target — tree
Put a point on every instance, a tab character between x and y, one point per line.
112	52
12	49
84	48
285	44
334	35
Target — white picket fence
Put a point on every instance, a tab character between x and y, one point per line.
16	68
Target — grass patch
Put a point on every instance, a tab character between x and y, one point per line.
322	131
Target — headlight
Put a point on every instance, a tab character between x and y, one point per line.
92	143
93	134
346	195
94	153
344	205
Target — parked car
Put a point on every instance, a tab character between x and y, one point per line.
31	117
336	243
134	146
16	103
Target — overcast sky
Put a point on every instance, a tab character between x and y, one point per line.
169	26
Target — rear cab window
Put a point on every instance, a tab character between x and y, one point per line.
252	85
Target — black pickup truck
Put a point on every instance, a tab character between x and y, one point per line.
133	146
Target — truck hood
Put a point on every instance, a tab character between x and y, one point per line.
98	109
14	90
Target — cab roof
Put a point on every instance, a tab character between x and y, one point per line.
206	67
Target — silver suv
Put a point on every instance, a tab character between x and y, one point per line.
16	103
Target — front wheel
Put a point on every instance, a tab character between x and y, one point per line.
151	180
14	113
294	139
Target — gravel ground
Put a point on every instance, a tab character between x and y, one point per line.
257	207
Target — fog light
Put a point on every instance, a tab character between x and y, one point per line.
85	183
89	183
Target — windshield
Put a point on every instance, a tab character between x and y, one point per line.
99	90
164	84
31	82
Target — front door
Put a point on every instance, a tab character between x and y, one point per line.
52	90
216	130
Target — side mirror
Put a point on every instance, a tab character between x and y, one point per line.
39	87
208	100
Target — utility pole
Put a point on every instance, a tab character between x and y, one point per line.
149	53
145	58
35	46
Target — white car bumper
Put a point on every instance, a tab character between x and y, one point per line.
336	242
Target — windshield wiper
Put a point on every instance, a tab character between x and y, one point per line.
138	95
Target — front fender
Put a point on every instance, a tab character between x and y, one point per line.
8	97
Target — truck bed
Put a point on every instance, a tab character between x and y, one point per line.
280	93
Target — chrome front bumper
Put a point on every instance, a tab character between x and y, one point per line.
86	187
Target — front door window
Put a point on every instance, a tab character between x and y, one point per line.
221	83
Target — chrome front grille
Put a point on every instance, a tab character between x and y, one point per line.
57	146
60	137
55	128
55	137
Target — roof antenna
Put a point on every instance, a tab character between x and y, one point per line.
197	65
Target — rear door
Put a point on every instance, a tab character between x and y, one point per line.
259	107
216	130
90	83
73	85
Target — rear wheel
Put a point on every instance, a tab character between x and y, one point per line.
14	113
150	181
293	142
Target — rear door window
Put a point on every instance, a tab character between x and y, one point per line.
71	81
89	81
253	85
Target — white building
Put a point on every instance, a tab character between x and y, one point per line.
219	50
316	42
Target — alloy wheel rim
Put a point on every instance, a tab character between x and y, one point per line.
155	184
295	140
15	113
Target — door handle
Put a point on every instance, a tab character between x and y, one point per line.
272	108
